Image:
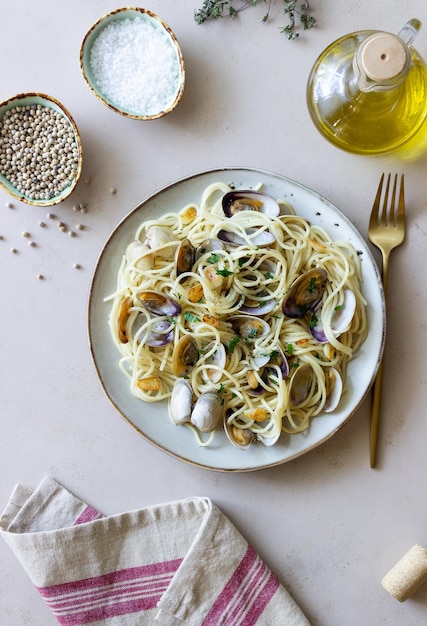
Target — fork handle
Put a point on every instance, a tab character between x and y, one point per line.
376	395
375	413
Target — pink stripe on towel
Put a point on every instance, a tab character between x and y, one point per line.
88	515
118	593
245	595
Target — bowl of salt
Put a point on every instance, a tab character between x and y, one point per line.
132	62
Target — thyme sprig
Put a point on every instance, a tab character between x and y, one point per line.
297	12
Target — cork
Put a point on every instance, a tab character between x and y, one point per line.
383	56
407	575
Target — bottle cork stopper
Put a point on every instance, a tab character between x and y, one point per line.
407	575
384	56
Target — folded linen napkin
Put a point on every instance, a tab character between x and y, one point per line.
179	563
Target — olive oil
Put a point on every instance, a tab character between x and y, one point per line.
365	122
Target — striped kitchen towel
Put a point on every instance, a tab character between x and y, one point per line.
179	563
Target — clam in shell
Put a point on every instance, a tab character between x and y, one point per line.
158	303
241	438
340	321
300	385
248	200
207	412
181	401
249	327
305	293
158	238
184	257
185	356
139	255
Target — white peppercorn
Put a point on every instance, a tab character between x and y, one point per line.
32	138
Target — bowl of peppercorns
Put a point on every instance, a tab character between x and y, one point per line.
40	149
132	62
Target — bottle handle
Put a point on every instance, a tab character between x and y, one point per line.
409	31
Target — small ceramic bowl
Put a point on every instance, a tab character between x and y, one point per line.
132	62
54	192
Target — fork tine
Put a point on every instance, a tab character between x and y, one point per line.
384	217
393	205
377	202
401	207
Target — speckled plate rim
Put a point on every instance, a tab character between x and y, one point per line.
96	29
26	99
152	420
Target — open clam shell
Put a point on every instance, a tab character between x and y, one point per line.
305	293
248	200
158	303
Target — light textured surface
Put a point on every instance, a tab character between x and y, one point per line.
326	524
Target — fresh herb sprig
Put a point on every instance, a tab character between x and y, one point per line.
297	12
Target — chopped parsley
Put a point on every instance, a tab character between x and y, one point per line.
214	258
190	317
224	272
312	284
233	344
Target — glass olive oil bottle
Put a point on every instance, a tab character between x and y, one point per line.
367	92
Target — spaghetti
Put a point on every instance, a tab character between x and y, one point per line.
267	371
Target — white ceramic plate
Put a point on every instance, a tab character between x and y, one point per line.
151	420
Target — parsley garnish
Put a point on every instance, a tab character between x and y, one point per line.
311	284
233	344
190	317
224	272
313	321
214	258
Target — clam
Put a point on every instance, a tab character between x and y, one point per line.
269	267
248	200
278	358
300	385
157	334
158	303
139	255
157	239
185	355
122	318
343	316
208	245
305	293
334	387
240	437
249	327
184	257
268	441
258	238
160	334
207	412
181	401
218	360
340	321
257	307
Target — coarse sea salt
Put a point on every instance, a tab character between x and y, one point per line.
135	66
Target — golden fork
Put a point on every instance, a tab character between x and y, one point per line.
386	231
